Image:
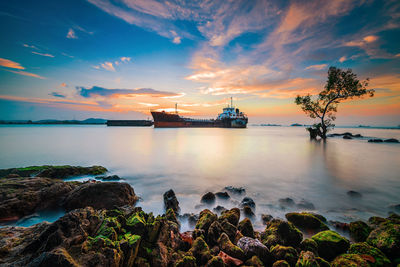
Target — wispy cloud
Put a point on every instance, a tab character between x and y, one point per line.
56	94
25	73
42	54
316	67
108	66
71	34
30	46
10	64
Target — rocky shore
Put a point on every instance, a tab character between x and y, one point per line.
102	227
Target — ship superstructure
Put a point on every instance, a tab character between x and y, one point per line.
230	117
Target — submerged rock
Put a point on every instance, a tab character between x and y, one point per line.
375	141
219	209
354	194
100	196
208	198
248	212
347	137
330	244
222	195
391	140
248	201
304	204
286	202
235	190
170	201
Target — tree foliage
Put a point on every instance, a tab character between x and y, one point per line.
341	85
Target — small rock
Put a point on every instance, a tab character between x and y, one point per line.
352	193
170	201
286	202
219	209
108	178
253	247
347	137
247	201
391	140
222	195
304	204
248	212
375	141
208	198
340	225
246	228
266	218
235	190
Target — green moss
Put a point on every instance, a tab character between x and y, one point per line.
187	261
306	220
386	237
288	254
205	220
350	260
365	249
330	244
359	231
132	239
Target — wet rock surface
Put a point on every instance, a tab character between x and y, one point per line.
170	201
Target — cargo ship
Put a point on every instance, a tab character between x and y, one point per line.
129	123
230	117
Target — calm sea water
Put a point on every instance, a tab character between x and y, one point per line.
269	162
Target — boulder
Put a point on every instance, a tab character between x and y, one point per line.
309	244
386	237
350	260
200	251
216	261
208	198
214	231
219	209
289	254
170	201
229	248
286	202
248	212
222	195
247	201
253	247
205	220
232	215
100	196
246	228
187	261
378	258
254	261
20	197
265	218
347	137
281	232
307	259
330	244
306	221
359	231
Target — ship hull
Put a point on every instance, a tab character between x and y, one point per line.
168	120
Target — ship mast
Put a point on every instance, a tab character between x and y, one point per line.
176	108
231	103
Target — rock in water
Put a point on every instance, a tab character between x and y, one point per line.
170	201
391	140
286	202
306	221
252	247
235	190
265	218
352	193
222	195
100	196
306	205
247	201
281	232
330	244
208	198
359	231
375	141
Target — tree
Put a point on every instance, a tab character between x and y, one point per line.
341	85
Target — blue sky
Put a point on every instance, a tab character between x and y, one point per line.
196	53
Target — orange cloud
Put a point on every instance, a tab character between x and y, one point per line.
10	64
25	73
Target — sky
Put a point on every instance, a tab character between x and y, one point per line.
119	59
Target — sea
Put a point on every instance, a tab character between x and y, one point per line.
270	163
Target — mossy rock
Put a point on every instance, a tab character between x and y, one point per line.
200	251
246	228
375	220
288	254
232	215
282	233
359	231
322	262
130	246
330	244
387	238
215	261
136	223
309	244
187	261
254	261
281	263
205	220
379	259
307	221
50	171
307	259
349	260
229	229
229	248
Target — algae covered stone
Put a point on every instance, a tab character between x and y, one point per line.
229	248
246	228
379	259
359	231
309	244
387	238
281	263
281	232
307	259
330	244
305	220
232	215
288	254
205	220
350	260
